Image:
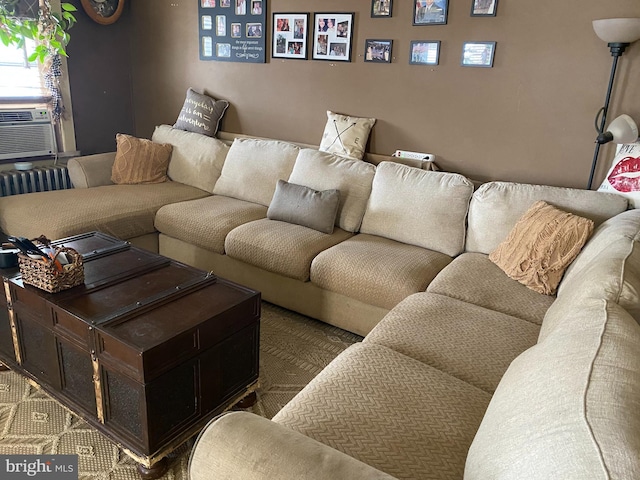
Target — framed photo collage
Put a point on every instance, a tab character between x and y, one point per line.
236	31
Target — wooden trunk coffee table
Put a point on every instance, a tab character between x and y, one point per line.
147	351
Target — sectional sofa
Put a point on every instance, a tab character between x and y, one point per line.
462	372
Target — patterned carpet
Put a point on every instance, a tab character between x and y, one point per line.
293	350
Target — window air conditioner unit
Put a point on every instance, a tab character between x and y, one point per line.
26	133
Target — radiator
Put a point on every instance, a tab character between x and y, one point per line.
37	179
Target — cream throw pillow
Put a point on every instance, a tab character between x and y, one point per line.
346	136
541	246
139	160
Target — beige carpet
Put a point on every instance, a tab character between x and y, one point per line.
293	350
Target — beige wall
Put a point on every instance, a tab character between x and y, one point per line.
528	119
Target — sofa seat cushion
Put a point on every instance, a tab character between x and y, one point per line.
464	340
205	222
280	247
473	278
390	411
124	211
376	270
567	407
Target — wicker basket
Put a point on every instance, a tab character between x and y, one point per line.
47	277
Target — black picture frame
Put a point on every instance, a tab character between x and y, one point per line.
290	40
478	54
424	52
378	51
484	8
430	12
233	30
381	8
332	36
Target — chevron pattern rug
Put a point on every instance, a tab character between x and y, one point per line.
293	350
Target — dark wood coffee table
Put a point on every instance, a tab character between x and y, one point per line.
147	351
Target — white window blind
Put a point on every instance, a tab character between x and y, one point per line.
19	78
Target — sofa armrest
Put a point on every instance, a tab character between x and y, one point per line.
91	170
242	445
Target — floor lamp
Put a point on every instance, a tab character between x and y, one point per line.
619	33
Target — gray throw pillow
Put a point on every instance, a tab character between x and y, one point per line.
201	114
304	206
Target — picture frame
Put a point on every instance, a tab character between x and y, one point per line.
378	51
381	8
332	36
484	8
430	12
207	22
478	54
221	25
424	52
104	12
290	34
233	30
256	7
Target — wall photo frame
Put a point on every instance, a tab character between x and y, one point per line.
484	8
478	54
381	8
290	34
378	51
430	12
233	30
424	52
332	36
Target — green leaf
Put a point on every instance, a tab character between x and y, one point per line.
33	56
68	7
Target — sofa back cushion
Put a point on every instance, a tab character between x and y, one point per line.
196	159
567	407
607	268
253	167
325	171
418	207
623	226
497	206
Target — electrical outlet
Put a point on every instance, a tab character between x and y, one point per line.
427	157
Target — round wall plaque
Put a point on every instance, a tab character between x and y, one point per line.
105	12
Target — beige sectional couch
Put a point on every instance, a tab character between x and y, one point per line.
463	372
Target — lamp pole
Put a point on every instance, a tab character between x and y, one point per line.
617	49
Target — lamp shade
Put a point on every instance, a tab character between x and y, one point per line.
617	30
622	130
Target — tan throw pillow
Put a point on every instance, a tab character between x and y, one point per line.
346	136
541	246
201	113
304	206
139	160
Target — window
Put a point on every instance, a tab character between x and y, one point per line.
19	78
